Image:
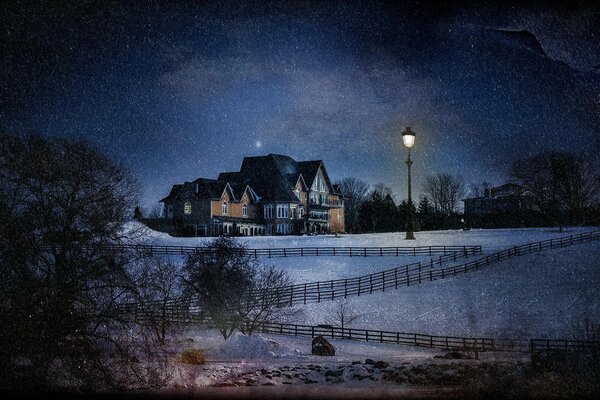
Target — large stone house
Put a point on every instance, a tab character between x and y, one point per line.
269	195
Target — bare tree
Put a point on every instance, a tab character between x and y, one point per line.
61	203
265	302
383	190
233	289
355	192
444	190
342	313
159	285
558	181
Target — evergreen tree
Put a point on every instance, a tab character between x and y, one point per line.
425	206
137	213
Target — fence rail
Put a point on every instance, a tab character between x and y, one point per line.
305	251
539	345
456	343
411	274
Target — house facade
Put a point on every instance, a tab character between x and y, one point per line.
505	198
269	195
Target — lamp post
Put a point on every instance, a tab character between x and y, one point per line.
408	138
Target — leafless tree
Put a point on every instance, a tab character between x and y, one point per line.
558	181
444	190
159	286
383	190
233	289
61	202
266	302
342	313
355	192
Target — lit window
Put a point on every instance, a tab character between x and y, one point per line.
187	208
245	210
224	207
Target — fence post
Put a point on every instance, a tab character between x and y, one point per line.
367	335
305	288
396	278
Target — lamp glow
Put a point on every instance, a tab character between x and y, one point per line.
408	137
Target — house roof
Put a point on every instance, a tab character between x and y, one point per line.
309	170
270	178
172	194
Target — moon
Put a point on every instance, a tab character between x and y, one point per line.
258	144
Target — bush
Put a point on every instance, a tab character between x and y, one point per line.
193	357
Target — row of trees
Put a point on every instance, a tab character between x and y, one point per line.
374	209
564	187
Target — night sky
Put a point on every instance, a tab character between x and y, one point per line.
180	91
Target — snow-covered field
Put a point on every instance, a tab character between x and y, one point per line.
538	295
534	296
490	239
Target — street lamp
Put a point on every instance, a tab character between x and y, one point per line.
408	137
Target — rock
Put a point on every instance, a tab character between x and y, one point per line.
334	373
369	361
381	365
310	381
322	347
356	362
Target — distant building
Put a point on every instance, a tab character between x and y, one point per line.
269	195
505	198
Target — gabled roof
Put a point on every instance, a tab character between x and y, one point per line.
172	194
268	178
336	189
309	170
208	188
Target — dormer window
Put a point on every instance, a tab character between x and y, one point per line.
224	208
187	208
245	210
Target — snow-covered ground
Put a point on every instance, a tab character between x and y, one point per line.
534	296
537	295
490	239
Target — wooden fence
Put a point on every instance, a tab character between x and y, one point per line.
304	251
539	345
411	274
456	343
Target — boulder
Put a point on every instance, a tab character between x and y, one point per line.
322	347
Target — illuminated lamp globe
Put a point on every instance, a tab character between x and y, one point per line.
408	137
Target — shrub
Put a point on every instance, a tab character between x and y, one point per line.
193	357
